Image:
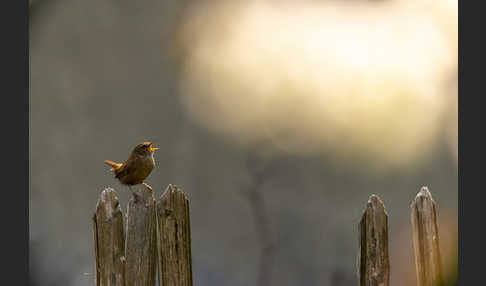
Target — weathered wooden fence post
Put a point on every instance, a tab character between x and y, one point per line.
109	240
175	266
373	262
141	250
426	240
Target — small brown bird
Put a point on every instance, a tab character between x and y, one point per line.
137	167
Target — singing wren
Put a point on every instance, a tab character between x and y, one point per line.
137	167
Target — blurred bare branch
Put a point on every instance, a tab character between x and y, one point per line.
261	170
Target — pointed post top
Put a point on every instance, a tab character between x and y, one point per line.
376	204
424	192
108	194
173	190
422	196
374	199
109	200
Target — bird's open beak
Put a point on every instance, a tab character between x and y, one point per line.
152	148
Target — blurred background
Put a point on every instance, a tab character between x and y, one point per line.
277	118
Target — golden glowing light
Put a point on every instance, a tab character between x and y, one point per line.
362	81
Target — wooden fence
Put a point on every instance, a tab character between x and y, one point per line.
373	261
158	238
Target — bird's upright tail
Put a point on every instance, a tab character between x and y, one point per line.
113	165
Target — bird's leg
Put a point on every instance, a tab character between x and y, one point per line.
147	186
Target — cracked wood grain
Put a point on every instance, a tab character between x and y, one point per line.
426	240
109	240
373	261
140	248
175	266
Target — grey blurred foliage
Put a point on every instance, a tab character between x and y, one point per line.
102	79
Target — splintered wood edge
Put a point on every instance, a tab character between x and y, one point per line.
144	195
423	206
96	250
376	205
422	196
109	198
173	190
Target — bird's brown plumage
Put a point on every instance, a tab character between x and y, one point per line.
137	167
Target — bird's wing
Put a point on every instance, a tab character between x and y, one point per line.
126	168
